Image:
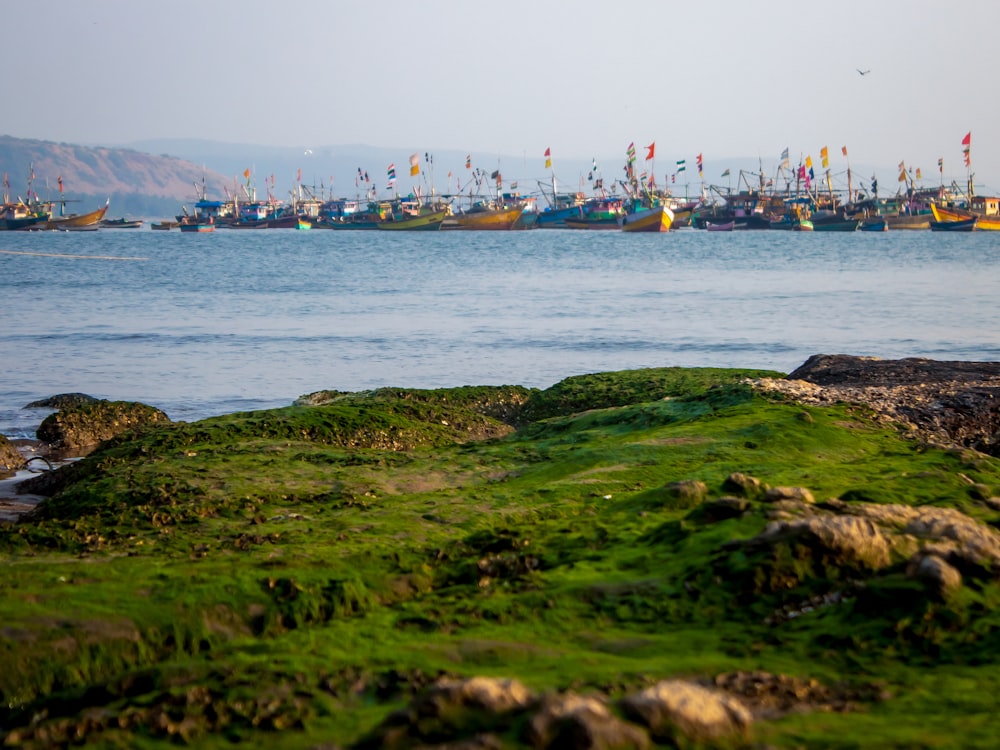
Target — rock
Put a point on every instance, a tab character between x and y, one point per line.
573	721
675	707
62	401
799	494
11	460
451	709
941	577
79	429
951	403
721	509
843	540
743	484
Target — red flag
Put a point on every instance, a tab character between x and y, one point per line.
652	149
246	173
968	139
548	152
59	180
298	176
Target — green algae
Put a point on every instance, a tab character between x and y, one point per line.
291	576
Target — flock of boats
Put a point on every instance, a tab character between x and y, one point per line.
637	209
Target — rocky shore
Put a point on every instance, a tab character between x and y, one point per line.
675	557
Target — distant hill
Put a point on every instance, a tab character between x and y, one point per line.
139	184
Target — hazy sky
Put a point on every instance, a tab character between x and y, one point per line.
726	78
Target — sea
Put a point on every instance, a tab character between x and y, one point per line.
236	320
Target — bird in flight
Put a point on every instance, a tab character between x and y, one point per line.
862	72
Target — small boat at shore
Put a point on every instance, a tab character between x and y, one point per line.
874	224
722	226
485	217
164	225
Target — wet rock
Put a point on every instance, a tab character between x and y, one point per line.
79	429
672	709
574	721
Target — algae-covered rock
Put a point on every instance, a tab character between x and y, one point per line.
11	459
674	708
686	493
82	427
744	484
569	720
62	401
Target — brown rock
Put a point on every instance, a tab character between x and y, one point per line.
573	721
11	460
800	494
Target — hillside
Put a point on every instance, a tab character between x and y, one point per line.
138	183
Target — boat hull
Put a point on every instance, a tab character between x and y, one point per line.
963	225
556	218
726	226
655	219
849	225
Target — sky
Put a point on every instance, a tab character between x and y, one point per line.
584	78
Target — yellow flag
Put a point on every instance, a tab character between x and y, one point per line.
902	175
809	162
825	156
415	164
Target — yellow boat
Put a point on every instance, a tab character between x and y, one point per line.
651	219
76	221
487	218
988	223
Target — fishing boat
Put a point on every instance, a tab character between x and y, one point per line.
303	224
74	221
19	215
121	223
164	225
655	218
960	225
944	214
722	226
602	212
841	225
420	220
199	226
486	216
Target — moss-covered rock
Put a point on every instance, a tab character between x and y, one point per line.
81	427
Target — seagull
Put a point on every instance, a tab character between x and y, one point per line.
862	72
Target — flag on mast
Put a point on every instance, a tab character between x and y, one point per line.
650	150
548	158
700	164
967	142
414	165
824	156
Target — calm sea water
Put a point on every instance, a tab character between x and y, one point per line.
200	325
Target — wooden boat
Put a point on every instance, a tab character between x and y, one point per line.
789	222
79	220
961	225
656	218
944	214
486	217
423	221
303	224
121	223
724	226
908	221
164	225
